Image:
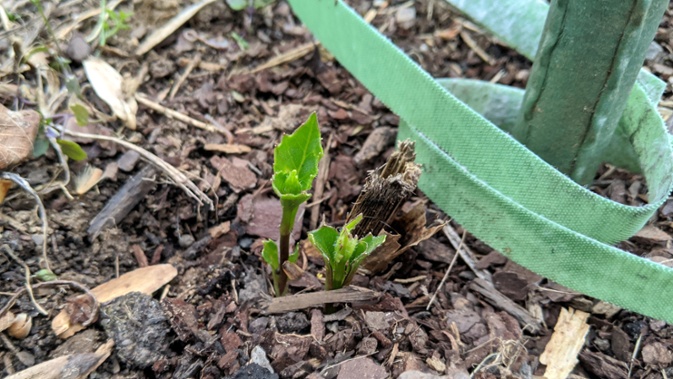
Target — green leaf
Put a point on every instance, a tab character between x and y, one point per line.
81	114
258	4
40	146
342	252
324	239
240	41
270	254
71	149
348	228
45	275
367	245
237	5
286	183
295	255
300	151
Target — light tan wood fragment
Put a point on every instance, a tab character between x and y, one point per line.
146	280
219	230
560	354
227	148
6	320
73	366
161	33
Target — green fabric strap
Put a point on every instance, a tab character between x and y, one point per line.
498	189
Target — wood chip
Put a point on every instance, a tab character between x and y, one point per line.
118	206
219	230
560	354
171	26
17	133
145	280
227	148
308	300
501	301
6	320
73	366
653	233
107	82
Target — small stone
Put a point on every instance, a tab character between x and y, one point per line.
258	325
376	321
657	354
78	49
436	364
367	346
186	240
258	357
253	371
128	160
362	368
26	358
653	51
406	17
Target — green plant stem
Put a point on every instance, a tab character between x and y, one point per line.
286	226
589	57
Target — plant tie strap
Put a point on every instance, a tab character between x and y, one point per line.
499	190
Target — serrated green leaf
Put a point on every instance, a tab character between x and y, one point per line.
348	228
270	254
366	246
286	183
81	114
342	252
324	239
300	151
71	149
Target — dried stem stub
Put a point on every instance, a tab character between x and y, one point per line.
386	189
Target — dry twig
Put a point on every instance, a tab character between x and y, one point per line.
21	182
173	173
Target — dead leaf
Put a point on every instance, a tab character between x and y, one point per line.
17	133
5	185
413	231
87	179
107	83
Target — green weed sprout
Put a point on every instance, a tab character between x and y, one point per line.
342	252
295	165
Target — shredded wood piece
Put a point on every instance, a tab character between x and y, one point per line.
560	354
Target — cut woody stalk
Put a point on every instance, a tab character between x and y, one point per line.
587	63
295	165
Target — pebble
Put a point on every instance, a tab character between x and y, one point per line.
258	357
